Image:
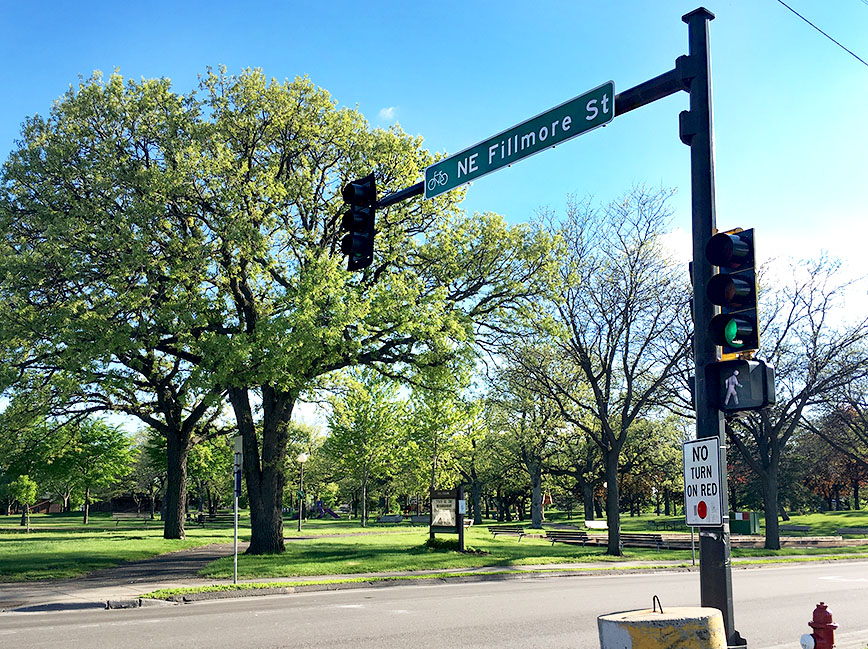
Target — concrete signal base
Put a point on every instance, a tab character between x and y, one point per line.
677	628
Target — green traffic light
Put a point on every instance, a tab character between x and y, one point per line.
730	333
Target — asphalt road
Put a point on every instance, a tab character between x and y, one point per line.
773	606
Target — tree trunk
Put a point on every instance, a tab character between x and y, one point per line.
588	500
770	509
153	505
86	504
177	448
856	494
613	513
666	503
476	502
264	474
535	471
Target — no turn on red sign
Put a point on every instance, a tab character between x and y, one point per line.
702	491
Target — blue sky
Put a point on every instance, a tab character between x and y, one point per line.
790	106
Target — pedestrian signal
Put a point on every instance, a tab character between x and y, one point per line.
741	385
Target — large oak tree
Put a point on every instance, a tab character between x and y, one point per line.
189	247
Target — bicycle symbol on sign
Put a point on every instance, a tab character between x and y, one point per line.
439	178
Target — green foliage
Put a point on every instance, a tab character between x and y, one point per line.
366	429
161	249
96	456
209	468
23	489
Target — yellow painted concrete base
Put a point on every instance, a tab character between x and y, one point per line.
677	628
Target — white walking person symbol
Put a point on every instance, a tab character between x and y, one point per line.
731	384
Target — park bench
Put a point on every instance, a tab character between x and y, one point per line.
667	525
642	540
117	517
852	530
517	530
597	525
420	519
794	528
567	536
220	518
390	518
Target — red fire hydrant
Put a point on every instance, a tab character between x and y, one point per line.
823	636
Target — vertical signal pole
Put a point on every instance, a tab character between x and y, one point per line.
696	130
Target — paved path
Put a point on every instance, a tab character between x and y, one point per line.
173	569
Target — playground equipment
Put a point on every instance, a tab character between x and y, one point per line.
322	510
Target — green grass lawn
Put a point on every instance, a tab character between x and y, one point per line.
61	546
406	550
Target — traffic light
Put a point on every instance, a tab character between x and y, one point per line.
733	289
358	245
740	385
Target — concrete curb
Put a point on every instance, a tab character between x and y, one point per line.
139	602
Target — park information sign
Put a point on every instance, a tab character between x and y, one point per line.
702	493
444	514
574	117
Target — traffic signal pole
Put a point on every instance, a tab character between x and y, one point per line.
696	131
692	73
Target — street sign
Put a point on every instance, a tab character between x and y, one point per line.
702	485
559	124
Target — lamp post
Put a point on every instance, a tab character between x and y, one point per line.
302	458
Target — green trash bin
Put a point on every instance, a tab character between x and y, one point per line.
744	522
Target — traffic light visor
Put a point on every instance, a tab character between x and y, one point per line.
356	219
732	291
731	251
360	192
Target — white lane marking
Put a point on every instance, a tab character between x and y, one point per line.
844	579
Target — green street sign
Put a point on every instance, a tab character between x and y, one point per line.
574	117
